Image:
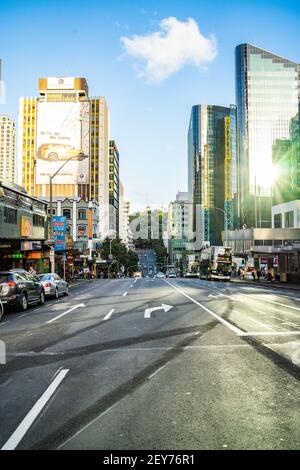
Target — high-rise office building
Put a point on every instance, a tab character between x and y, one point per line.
267	98
114	189
7	149
286	158
57	127
212	180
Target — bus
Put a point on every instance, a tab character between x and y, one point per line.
216	263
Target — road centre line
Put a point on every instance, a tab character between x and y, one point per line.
65	313
125	293
220	319
24	426
109	314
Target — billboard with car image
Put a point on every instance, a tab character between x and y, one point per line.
62	133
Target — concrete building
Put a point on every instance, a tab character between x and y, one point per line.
147	261
124	210
271	247
286	215
267	98
63	122
114	190
7	149
180	228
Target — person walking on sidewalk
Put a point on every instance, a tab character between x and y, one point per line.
253	275
258	273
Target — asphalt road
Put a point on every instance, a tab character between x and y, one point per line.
217	368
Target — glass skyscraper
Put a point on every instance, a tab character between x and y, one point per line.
267	97
212	177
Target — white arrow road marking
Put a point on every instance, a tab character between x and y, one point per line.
65	313
23	427
164	307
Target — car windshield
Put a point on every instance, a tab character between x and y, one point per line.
6	278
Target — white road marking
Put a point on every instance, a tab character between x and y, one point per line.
65	313
125	293
270	333
131	285
220	319
88	425
4	322
158	370
24	426
260	323
164	307
109	314
271	301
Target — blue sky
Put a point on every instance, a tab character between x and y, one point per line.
149	115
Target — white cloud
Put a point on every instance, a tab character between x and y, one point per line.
166	51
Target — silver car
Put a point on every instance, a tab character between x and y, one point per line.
54	286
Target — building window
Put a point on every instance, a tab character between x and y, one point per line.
277	221
289	219
82	214
10	215
82	230
67	213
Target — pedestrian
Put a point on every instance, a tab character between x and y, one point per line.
258	273
239	273
253	275
32	271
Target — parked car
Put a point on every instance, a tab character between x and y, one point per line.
19	288
54	286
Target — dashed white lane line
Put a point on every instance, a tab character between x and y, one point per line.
157	370
131	285
125	293
109	314
220	319
271	301
271	333
24	426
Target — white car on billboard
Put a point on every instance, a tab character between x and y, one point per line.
55	152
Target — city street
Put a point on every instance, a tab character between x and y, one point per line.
153	364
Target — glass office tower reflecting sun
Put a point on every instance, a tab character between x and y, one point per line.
267	96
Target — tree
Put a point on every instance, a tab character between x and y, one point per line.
121	256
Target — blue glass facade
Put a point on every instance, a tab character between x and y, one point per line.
206	168
267	96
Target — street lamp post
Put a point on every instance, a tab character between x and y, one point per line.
79	157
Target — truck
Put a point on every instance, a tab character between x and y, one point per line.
216	263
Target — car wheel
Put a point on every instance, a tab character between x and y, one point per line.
56	293
67	290
53	156
23	302
42	298
1	310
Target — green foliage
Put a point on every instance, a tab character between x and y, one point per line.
121	256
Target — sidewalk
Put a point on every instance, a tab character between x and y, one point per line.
264	283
